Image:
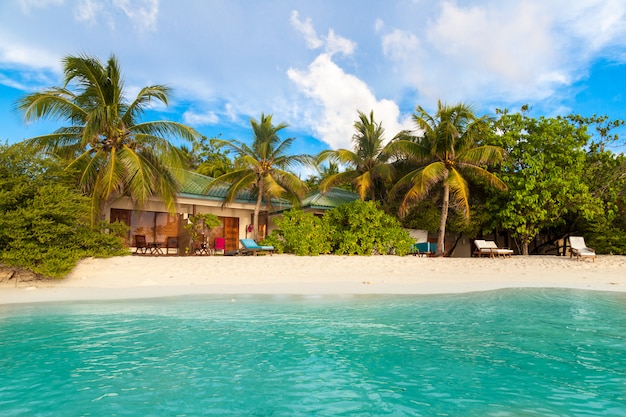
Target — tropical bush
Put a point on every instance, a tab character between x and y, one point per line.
361	228
44	222
302	233
357	228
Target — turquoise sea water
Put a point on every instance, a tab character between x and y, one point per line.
502	353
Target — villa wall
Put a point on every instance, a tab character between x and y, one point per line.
236	218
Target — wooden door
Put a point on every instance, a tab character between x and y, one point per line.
231	232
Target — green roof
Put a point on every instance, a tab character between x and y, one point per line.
194	184
331	199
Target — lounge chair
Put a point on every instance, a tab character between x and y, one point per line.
423	248
490	248
579	249
171	243
250	247
141	246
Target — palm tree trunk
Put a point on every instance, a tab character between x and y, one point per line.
257	209
444	218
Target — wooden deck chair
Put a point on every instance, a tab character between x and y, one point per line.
171	243
141	246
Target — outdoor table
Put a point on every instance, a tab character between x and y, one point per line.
156	248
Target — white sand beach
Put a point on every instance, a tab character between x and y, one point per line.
146	276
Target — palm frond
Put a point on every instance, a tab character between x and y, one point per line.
345	177
482	155
51	103
158	93
419	183
480	172
166	130
459	190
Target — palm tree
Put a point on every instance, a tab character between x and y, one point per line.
113	152
446	152
262	167
369	165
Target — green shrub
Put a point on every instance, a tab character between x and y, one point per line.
361	228
44	221
275	239
302	233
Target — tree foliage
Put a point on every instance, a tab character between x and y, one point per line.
104	141
544	173
262	167
448	151
369	168
44	221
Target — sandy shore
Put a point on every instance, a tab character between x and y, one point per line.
144	276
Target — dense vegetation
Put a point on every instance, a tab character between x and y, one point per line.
357	228
532	180
44	222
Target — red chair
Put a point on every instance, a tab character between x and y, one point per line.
220	245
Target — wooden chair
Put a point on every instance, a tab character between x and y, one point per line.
171	243
201	247
141	246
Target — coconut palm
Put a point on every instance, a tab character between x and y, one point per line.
113	152
263	167
446	152
368	165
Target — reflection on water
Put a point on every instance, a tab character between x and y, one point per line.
502	353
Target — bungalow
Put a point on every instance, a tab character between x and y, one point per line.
157	224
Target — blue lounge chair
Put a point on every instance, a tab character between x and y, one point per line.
250	247
424	248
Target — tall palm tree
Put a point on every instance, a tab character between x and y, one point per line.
446	152
368	163
114	153
262	167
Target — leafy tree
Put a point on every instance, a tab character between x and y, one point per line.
44	221
361	228
113	152
446	151
369	167
324	171
207	158
544	173
262	167
605	175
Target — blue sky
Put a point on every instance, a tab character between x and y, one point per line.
312	64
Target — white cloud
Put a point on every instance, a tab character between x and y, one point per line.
306	29
489	52
28	5
335	44
332	42
200	119
400	44
339	96
87	10
143	13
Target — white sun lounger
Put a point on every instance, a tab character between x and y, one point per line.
491	249
579	249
